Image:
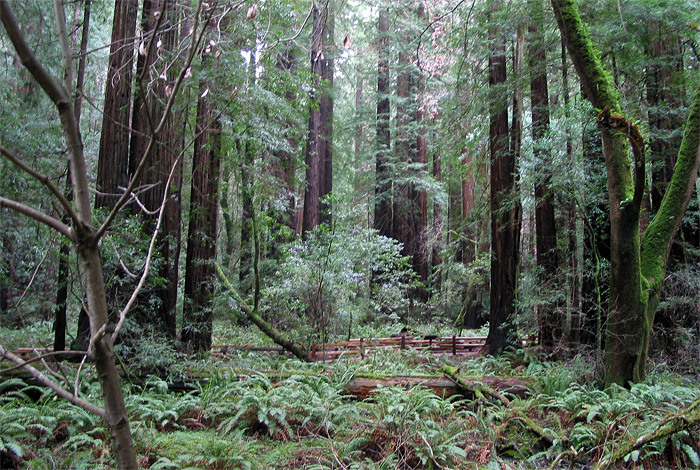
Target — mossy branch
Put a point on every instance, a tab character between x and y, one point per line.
252	313
676	423
618	123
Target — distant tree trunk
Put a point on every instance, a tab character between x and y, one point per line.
665	86
422	257
505	214
436	259
469	311
245	272
159	38
200	269
113	157
383	218
285	163
405	210
319	150
545	224
574	274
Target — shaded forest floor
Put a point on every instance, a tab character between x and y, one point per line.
300	416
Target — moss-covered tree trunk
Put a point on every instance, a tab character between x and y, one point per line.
637	268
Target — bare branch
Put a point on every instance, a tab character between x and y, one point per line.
43	179
45	80
60	391
38	216
65	46
149	255
41	358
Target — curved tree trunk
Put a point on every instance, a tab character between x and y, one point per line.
637	269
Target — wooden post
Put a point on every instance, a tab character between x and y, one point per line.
454	345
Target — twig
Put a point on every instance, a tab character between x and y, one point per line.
60	391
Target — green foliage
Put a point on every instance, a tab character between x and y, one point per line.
334	280
407	428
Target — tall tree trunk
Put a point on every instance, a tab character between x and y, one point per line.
545	224
571	218
422	257
383	218
319	150
637	269
200	269
505	213
159	37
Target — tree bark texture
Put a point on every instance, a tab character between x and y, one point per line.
505	212
319	149
159	35
637	269
200	270
113	158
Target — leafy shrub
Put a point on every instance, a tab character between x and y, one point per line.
324	283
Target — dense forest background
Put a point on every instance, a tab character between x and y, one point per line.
173	172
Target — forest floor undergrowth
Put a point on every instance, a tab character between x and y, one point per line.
260	411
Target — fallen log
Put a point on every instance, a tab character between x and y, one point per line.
362	385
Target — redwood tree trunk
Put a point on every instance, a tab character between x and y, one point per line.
148	110
505	215
319	149
200	269
113	157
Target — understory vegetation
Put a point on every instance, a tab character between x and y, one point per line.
252	410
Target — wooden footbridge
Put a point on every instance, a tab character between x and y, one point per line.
361	348
355	348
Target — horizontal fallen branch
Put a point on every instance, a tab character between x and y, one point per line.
677	422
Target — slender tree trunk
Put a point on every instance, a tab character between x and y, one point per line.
245	273
505	213
60	322
422	257
545	224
